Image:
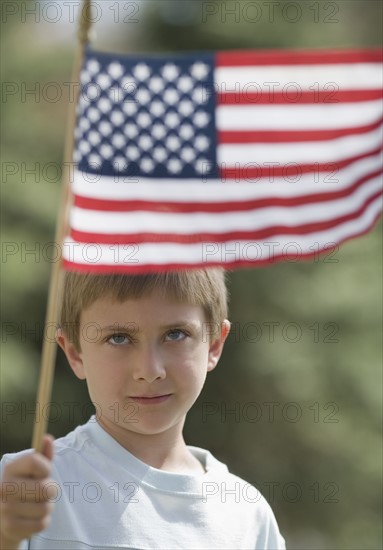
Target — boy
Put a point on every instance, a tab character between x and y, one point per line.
126	479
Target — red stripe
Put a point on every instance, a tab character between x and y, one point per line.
255	171
293	136
302	229
139	268
243	58
290	97
228	206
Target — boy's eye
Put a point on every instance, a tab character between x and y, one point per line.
175	335
118	339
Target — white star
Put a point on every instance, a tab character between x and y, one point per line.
146	164
143	96
141	71
201	143
171	97
95	160
170	71
118	140
156	84
104	105
159	153
187	154
84	124
93	114
174	166
117	118
90	92
93	66
131	130
129	107
106	151
172	120
145	142
94	137
157	108
132	152
103	80
173	143
105	128
158	131
186	131
84	147
144	120
185	84
199	70
201	119
128	84
120	164
115	69
185	107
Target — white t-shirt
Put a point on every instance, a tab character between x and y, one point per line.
106	498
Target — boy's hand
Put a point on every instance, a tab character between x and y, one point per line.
25	507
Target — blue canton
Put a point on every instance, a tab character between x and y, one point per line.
151	117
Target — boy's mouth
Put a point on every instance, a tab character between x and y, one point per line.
150	399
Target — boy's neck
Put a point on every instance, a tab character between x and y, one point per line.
164	451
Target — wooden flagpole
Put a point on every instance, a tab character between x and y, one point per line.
49	350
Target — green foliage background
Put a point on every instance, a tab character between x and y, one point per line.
322	472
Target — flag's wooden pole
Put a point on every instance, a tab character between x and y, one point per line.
49	350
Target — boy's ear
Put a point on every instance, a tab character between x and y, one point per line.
72	354
216	345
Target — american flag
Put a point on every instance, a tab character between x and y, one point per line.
233	158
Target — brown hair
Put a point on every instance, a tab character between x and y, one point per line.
201	287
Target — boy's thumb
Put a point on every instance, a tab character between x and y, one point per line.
47	446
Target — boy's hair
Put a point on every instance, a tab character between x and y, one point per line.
200	287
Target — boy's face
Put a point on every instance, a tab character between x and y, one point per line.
145	361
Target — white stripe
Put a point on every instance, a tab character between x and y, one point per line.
165	253
331	116
163	190
344	76
334	150
110	223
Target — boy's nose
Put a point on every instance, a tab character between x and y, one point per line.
149	366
